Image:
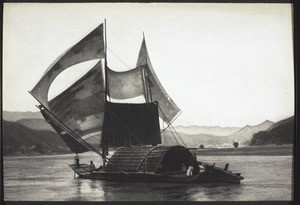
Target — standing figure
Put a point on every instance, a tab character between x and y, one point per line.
76	158
92	167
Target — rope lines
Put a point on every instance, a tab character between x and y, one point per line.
172	128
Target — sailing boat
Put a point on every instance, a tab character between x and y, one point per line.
87	119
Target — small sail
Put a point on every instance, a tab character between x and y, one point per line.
168	108
130	124
125	85
89	48
81	106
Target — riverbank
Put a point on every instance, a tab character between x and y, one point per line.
266	150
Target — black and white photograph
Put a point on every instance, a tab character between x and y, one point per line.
131	102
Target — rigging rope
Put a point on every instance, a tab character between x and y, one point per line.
172	121
170	125
78	139
164	133
119	58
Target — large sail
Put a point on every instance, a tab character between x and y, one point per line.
78	111
89	48
130	124
167	107
81	106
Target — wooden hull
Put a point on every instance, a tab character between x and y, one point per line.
211	175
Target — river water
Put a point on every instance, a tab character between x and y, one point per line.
48	178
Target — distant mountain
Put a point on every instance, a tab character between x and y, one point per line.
206	130
19	140
245	134
15	116
193	141
281	132
36	124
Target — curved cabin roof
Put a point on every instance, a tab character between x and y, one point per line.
158	159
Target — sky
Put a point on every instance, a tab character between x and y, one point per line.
223	64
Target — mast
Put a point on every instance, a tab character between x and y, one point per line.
147	91
105	149
144	85
105	64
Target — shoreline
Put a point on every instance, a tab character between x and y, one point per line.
263	150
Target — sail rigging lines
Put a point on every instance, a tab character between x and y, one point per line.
81	107
119	58
70	132
77	138
172	128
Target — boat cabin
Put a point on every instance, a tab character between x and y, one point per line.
156	160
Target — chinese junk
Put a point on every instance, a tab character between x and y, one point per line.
87	120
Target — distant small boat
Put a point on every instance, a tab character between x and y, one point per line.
235	144
84	116
201	146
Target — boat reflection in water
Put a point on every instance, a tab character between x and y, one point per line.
130	191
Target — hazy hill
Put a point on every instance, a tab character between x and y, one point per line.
281	132
36	124
15	116
245	134
18	139
193	141
206	130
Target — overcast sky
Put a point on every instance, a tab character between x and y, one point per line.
223	64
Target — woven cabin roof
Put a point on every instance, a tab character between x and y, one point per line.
132	159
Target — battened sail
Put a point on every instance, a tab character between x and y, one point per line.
168	108
89	48
81	106
77	113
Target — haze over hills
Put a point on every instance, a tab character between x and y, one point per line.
207	130
193	141
30	126
36	124
245	134
15	116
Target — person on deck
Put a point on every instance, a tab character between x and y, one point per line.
190	171
92	167
76	158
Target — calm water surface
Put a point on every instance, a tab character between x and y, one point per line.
48	178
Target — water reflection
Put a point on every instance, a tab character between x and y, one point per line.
37	179
162	191
86	190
